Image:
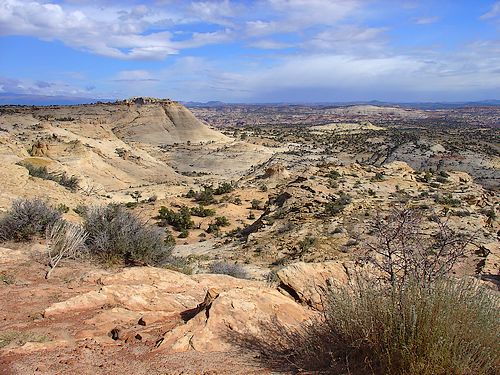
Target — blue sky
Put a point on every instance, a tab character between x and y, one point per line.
253	51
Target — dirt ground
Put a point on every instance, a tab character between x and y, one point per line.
32	344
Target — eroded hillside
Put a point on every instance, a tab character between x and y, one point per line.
262	222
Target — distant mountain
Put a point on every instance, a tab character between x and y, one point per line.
414	105
27	99
213	103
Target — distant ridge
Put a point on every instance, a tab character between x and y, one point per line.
40	100
28	99
415	105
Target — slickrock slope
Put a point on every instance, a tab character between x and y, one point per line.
108	146
135	320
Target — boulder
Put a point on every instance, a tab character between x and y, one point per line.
306	282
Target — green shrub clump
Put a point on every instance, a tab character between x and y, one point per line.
181	221
63	179
220	221
337	205
26	219
201	211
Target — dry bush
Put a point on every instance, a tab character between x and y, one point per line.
118	236
26	219
451	328
231	269
64	240
416	320
404	248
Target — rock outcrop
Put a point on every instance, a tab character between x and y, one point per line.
199	312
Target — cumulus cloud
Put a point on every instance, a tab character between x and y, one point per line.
131	33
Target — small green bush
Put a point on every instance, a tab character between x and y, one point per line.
26	219
256	204
201	211
337	205
63	179
179	220
224	188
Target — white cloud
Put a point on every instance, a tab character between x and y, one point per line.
348	38
270	44
37	87
217	12
134	76
493	13
109	31
426	20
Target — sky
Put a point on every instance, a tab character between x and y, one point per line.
252	51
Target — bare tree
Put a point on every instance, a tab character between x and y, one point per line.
403	248
90	189
64	240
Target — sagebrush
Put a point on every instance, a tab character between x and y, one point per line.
116	235
26	219
451	328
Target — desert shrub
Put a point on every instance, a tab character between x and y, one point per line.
441	179
64	240
69	182
205	196
26	219
62	208
307	243
201	211
451	328
224	188
337	205
63	179
447	200
378	177
179	220
405	248
220	221
256	204
190	194
333	175
413	319
231	269
118	236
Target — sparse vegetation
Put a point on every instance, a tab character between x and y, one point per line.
21	338
63	179
202	211
220	221
181	221
337	205
415	320
64	240
118	236
256	204
450	328
231	269
27	219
